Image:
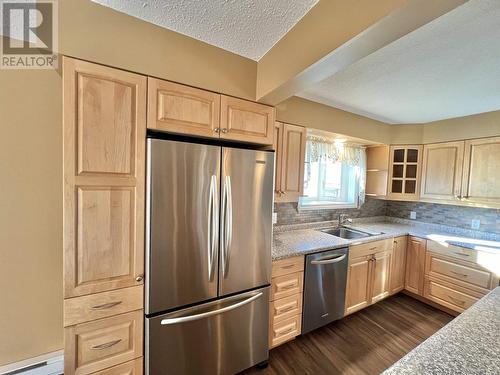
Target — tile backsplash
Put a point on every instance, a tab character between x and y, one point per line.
443	214
288	214
456	216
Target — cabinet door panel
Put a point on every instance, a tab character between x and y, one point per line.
292	167
381	276
398	265
246	121
442	171
415	265
278	145
481	170
104	146
404	172
358	284
182	109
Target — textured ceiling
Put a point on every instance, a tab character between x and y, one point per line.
246	27
448	68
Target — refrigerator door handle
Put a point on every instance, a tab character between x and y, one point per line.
189	318
228	225
213	226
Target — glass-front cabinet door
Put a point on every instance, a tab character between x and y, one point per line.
404	172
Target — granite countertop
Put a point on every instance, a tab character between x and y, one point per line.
467	345
304	239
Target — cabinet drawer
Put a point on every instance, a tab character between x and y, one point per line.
286	266
285	330
129	368
368	248
466	275
449	295
94	346
287	285
101	305
457	252
287	307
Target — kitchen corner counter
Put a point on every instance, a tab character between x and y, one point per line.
467	345
305	239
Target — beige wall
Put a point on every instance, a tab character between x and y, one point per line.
30	214
31	156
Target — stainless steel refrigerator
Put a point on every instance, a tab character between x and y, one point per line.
208	257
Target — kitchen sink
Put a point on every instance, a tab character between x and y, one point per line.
346	233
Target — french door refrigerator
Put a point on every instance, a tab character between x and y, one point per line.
208	257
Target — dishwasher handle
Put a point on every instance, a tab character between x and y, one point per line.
329	260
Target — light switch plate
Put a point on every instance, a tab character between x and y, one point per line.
413	215
275	217
475	224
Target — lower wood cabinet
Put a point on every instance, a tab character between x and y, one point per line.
398	264
415	263
285	308
368	274
134	367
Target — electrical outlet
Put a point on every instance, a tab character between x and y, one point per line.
413	215
275	217
475	224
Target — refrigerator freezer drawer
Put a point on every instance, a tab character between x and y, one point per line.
220	337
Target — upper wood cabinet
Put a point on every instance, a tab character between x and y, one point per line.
104	146
377	171
398	265
442	171
290	144
481	182
182	109
246	121
415	265
404	172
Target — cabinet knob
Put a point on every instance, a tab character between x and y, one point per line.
282	192
139	278
216	130
224	131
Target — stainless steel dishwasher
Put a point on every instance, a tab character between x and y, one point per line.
324	288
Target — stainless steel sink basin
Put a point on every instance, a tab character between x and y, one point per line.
346	233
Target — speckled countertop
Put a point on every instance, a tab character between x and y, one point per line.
470	344
301	239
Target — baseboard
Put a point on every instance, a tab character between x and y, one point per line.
430	303
46	364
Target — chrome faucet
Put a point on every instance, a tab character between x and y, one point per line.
343	219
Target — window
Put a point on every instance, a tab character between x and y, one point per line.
333	174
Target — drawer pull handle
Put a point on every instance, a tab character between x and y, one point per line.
462	254
287	287
286	331
285	309
457	301
106	305
106	345
459	274
287	267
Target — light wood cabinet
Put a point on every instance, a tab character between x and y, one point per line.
415	265
285	308
404	172
182	109
398	264
442	171
103	236
480	183
134	367
290	156
377	171
368	274
246	121
94	346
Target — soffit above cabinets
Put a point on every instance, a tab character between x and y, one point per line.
246	27
445	69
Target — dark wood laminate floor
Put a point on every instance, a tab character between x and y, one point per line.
366	342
